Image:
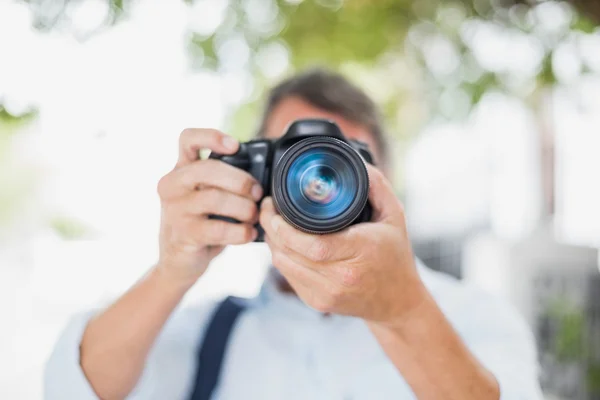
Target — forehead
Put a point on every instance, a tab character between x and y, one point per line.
293	108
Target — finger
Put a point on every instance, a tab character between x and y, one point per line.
218	202
293	271
213	173
313	288
278	246
214	232
315	248
214	251
192	140
382	197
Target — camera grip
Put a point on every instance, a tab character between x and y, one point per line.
239	159
261	232
242	160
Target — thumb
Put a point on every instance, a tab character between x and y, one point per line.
386	205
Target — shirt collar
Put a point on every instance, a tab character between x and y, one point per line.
288	304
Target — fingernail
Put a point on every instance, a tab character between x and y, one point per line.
230	142
265	201
257	192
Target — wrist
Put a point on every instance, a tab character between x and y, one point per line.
431	356
168	279
417	304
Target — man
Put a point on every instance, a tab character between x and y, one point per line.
348	315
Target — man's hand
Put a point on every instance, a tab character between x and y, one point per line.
195	189
366	270
115	344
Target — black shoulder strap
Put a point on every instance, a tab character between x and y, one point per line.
212	350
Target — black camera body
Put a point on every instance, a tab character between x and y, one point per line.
316	176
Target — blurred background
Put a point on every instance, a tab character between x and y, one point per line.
493	105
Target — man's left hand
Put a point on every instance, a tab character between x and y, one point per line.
366	270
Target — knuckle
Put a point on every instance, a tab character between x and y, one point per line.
318	251
323	304
162	186
351	277
184	135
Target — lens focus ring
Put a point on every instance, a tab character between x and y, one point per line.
320	185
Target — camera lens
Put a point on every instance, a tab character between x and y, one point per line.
320	185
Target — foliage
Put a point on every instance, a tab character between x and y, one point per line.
593	379
68	228
16	183
573	340
420	59
11	123
49	15
570	342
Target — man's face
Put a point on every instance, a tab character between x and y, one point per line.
294	108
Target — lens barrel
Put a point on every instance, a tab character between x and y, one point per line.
320	185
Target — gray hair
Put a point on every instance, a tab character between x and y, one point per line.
331	92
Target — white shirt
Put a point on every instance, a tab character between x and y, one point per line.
282	349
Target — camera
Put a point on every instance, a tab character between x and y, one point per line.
317	178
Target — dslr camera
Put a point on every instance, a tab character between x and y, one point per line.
317	178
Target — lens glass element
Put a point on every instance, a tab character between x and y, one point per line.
321	183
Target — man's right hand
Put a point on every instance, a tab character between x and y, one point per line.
191	192
116	343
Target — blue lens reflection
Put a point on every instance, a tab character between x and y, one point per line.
321	184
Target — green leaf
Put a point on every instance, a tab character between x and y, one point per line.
202	52
546	76
593	378
69	228
479	88
11	123
584	25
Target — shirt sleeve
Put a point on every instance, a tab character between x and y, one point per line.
169	369
499	337
63	376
